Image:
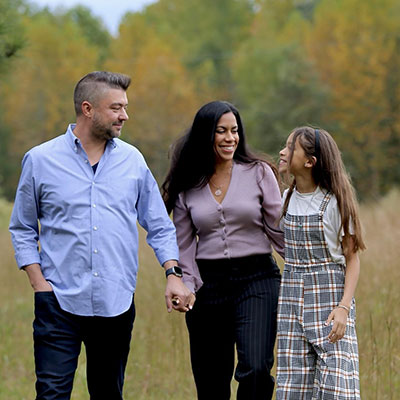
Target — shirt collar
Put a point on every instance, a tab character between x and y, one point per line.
74	141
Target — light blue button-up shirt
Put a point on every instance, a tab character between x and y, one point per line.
88	233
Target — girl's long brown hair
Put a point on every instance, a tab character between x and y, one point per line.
329	173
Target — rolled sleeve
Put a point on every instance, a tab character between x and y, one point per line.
153	217
24	227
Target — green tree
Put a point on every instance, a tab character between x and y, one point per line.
92	28
204	35
11	42
11	32
276	86
37	101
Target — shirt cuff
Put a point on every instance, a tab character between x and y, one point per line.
27	257
164	256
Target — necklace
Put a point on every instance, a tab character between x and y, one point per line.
218	189
300	224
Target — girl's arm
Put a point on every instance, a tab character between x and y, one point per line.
352	273
339	314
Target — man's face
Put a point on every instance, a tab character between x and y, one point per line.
109	114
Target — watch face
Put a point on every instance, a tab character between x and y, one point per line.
177	271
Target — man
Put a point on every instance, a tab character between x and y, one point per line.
87	189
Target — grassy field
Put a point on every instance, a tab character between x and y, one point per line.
159	366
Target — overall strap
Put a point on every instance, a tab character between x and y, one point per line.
324	202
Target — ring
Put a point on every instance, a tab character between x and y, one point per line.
175	301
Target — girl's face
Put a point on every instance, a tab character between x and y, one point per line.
298	161
226	138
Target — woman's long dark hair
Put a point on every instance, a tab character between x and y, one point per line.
193	157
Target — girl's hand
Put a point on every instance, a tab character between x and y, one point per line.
339	318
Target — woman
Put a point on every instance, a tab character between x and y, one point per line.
226	203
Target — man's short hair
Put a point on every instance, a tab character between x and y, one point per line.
93	84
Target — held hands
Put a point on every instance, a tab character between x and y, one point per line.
177	295
339	317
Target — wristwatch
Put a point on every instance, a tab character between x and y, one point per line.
175	270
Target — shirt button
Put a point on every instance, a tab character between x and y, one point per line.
95	251
86	161
93	183
95	274
94	205
95	228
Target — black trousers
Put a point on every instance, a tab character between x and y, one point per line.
58	336
237	305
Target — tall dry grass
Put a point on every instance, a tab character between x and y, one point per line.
378	301
159	366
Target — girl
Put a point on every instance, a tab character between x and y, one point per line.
317	343
225	203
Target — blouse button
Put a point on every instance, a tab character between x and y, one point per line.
219	208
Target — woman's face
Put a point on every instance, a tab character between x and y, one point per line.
226	138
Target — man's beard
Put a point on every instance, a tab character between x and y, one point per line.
100	131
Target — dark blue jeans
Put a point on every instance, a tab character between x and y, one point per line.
58	336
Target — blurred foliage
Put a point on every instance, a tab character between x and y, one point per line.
284	63
11	33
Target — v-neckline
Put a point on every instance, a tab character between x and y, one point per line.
227	190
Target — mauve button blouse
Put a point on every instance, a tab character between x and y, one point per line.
244	224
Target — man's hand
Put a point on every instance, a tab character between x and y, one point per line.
36	278
177	295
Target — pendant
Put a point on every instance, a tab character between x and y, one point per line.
218	192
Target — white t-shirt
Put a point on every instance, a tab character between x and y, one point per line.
308	204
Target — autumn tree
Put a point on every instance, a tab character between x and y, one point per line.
354	44
162	99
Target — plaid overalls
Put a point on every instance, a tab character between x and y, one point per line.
309	367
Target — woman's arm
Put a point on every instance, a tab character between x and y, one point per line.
187	242
272	205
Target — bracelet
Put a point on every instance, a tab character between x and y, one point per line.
344	307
